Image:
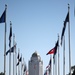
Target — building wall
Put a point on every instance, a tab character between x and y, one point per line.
35	66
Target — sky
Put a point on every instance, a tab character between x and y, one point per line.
36	25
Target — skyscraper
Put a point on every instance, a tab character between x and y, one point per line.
35	64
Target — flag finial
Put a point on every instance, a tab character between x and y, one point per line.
6	6
68	5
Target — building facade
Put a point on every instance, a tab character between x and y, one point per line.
35	65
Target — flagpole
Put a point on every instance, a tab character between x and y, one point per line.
56	65
10	54
5	43
53	66
21	64
13	51
64	57
16	59
58	57
69	40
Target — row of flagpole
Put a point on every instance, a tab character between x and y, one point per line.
54	50
12	50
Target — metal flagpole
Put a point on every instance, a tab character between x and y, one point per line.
64	57
10	54
56	64
16	59
69	40
13	51
5	43
53	65
58	57
21	64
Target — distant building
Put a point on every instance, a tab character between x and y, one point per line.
35	65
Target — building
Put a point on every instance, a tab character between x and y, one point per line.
35	65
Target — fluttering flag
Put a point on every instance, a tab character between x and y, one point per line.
49	69
55	48
17	64
10	34
64	27
3	16
25	67
51	51
45	72
20	59
12	50
18	56
49	66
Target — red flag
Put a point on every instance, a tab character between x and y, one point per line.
51	51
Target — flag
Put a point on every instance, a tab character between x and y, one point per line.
3	16
7	52
55	48
18	56
49	66
67	18
12	50
51	51
10	34
63	30
45	72
20	59
24	67
17	63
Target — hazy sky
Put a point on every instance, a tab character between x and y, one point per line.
36	25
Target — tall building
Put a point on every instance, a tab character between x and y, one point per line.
35	65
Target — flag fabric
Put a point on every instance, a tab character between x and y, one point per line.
49	66
3	16
12	50
25	68
18	56
7	52
51	51
45	72
10	34
55	48
67	18
63	30
20	59
17	63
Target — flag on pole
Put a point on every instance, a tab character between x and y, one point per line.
12	50
25	68
10	34
2	18
51	51
64	27
20	59
45	72
17	64
49	66
55	48
18	56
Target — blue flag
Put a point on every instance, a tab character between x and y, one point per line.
3	16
